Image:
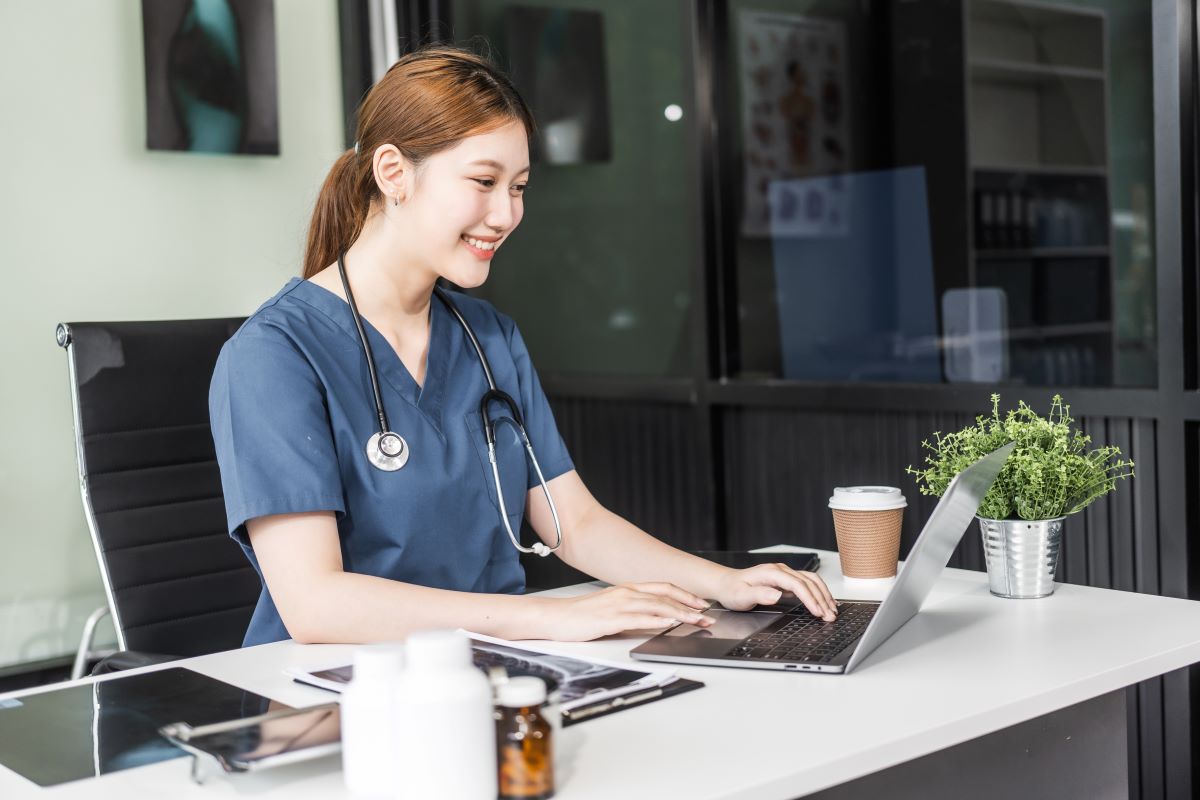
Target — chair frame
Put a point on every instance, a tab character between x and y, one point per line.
63	335
85	653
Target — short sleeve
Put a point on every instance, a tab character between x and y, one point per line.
272	434
543	433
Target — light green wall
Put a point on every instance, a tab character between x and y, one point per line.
95	227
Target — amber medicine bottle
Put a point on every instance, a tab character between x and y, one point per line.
524	741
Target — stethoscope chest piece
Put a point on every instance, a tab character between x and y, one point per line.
387	450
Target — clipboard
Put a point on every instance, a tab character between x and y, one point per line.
622	702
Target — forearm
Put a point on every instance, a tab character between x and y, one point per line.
345	607
610	548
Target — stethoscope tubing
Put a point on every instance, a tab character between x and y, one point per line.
366	343
444	296
539	547
494	393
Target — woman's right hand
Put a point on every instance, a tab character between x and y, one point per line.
620	608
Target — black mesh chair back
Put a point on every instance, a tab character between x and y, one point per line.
176	583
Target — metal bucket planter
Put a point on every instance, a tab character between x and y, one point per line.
1021	555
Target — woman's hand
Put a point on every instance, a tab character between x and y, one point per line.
620	608
764	584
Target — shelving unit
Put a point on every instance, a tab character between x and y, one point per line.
1037	127
1025	73
1042	252
1028	31
1059	170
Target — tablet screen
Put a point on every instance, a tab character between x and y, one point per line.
83	731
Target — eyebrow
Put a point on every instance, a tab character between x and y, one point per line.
487	162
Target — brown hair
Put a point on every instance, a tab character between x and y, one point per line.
429	101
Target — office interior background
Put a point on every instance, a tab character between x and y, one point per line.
790	240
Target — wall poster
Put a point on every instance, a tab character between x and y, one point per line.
796	128
210	76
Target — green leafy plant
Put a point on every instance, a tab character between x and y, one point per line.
1050	473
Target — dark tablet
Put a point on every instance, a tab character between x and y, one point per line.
82	731
740	559
274	738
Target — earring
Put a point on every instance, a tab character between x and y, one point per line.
396	200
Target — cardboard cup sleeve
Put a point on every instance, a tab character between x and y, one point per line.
868	541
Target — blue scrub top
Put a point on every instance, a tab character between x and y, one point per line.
292	410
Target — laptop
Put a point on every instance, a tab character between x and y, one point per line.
794	639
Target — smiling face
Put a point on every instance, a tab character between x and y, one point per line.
462	204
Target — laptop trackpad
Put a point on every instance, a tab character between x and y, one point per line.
728	625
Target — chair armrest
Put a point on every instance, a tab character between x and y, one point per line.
129	659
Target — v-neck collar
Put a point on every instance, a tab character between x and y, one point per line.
426	397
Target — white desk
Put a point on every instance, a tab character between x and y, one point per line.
968	665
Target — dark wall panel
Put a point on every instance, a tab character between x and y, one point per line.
782	465
1111	544
641	460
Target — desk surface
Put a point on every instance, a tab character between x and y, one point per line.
967	665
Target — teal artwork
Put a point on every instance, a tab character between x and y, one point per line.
210	76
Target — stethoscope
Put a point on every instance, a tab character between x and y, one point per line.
387	450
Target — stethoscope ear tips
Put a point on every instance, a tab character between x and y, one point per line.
541	549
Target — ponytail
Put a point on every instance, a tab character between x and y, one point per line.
339	215
429	101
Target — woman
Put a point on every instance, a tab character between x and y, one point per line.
359	536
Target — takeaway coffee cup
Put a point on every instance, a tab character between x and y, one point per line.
867	522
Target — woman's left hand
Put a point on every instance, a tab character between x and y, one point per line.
764	584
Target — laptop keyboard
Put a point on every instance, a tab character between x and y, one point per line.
799	636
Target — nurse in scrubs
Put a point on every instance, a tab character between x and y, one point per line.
351	553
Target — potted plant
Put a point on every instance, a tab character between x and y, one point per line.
1050	475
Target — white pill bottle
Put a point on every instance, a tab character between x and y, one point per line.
445	729
369	720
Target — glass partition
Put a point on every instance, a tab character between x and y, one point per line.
598	274
943	192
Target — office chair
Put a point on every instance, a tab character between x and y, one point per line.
176	584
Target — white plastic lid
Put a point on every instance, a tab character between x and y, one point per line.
867	498
378	662
427	651
523	691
